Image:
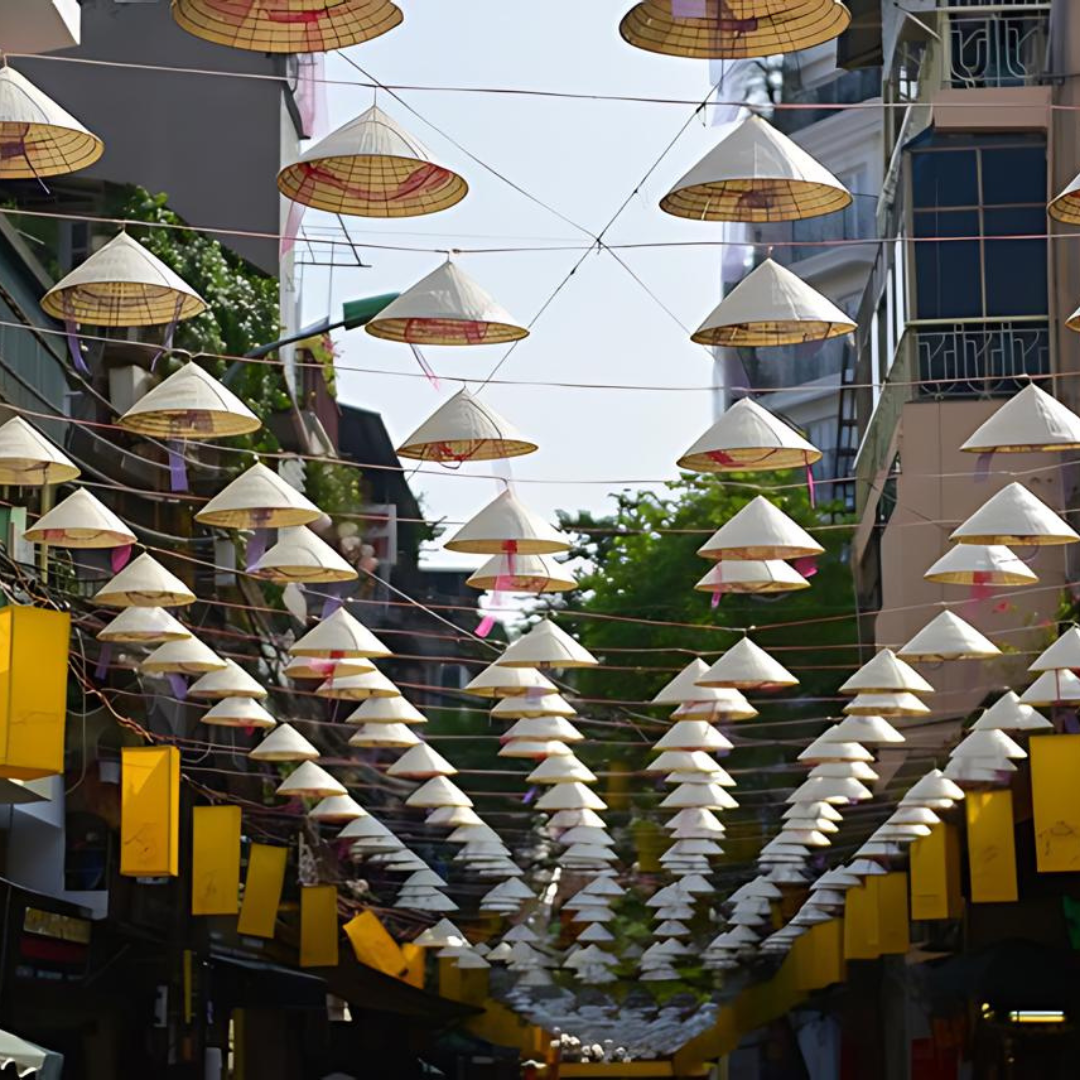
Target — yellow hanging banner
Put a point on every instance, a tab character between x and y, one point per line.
262	890
861	922
149	811
373	945
991	846
892	902
318	926
215	860
1055	801
935	875
414	956
826	964
33	691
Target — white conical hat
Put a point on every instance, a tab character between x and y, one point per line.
948	637
543	727
746	666
830	789
1009	713
685	761
1030	422
371	167
80	521
571	796
935	790
868	730
258	498
504	526
752	576
825	811
421	763
446	308
822	749
337	809
498	680
391	736
535	749
359	687
144	582
386	710
565	768
364	828
980	564
988	743
183	656
586	834
284	743
1014	516
760	531
709	796
1065	206
238	712
684	687
340	635
438	791
888	704
27	458
519	708
522	573
857	769
595	933
311	781
190	403
304	667
1063	655
546	645
146	625
444	933
465	429
722	703
1053	688
231	681
299	555
122	284
886	673
692	735
37	137
771	306
756	173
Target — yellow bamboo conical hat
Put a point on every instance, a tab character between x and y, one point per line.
386	710
749	438
1032	421
772	306
446	308
258	498
540	705
287	26
145	625
300	555
1014	516
902	704
338	809
371	167
339	635
522	573
507	525
190	404
498	680
436	792
886	673
746	666
144	582
122	284
542	727
948	637
980	564
284	743
1065	206
305	667
239	712
185	656
546	645
27	458
760	530
756	174
465	429
311	781
716	703
358	687
752	576
231	681
80	521
421	763
37	137
390	736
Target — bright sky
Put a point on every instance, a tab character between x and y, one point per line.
584	159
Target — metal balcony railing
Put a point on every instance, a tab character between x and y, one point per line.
997	48
979	359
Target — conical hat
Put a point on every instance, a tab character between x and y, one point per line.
1030	422
185	656
988	743
888	704
709	796
371	167
498	680
232	681
145	625
868	730
748	438
284	743
1014	516
746	666
886	673
534	749
771	306
391	736
822	749
686	761
310	781
238	712
1053	688
980	564
339	635
438	791
546	645
190	404
934	790
760	531
446	308
310	667
258	499
948	637
465	429
692	735
386	710
359	687
684	687
80	521
543	727
721	703
561	769
830	790
1065	206
506	525
337	809
752	576
756	173
122	284
1009	713
27	458
571	796
421	763
144	582
1064	654
299	555
546	705
268	26
451	817
522	573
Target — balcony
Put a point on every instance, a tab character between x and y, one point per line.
979	360
1004	47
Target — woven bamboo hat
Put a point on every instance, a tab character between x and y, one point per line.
760	531
358	687
507	526
752	576
934	790
239	712
981	564
1062	655
386	710
546	645
388	736
1014	516
295	26
284	743
80	521
749	438
1065	206
231	681
337	809
186	656
746	666
300	555
258	499
523	573
339	635
721	703
887	704
529	707
570	796
822	749
37	137
144	582
371	167
886	673
1031	421
421	763
684	687
497	680
989	743
27	458
304	667
542	727
446	308
756	174
771	306
122	284
311	781
948	637
561	769
692	735
1009	713
190	404
536	749
143	625
465	429
436	792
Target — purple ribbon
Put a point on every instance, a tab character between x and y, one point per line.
178	477
170	330
333	600
178	685
74	347
257	546
119	557
104	657
530	795
982	467
689	9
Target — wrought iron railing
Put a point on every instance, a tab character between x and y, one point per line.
980	359
1000	48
